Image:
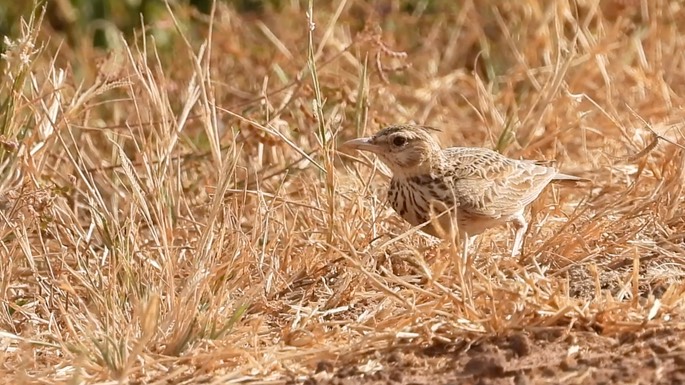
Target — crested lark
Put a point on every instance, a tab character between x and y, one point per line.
474	188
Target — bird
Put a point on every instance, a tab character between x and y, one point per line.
456	191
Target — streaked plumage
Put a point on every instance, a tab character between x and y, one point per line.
474	188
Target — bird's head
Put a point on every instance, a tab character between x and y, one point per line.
406	150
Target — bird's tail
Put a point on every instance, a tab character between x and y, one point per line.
560	177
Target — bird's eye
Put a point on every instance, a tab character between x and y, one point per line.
399	141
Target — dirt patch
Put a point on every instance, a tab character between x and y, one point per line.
652	357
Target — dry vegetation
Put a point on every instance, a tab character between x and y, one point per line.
182	215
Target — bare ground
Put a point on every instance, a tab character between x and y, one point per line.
547	357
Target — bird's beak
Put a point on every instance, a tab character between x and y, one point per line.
363	144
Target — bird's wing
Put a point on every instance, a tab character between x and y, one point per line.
490	184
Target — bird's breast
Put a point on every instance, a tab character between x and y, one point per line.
414	198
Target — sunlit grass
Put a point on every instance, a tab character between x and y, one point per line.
179	212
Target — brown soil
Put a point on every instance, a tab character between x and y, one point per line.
652	357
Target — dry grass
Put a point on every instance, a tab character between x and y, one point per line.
183	215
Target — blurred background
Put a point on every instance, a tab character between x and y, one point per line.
98	19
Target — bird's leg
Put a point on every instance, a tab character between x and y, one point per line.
466	242
520	226
465	280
